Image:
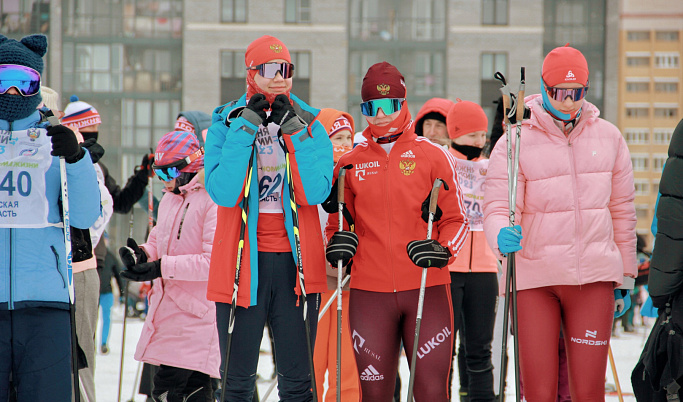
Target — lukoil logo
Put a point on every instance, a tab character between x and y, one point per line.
436	340
371	374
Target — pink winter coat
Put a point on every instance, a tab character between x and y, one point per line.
180	329
574	201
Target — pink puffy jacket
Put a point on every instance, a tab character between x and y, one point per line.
574	201
180	329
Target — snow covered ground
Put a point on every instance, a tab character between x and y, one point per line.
625	346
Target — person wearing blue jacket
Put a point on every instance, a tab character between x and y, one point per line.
264	126
35	333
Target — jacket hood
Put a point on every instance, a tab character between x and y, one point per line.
436	105
199	120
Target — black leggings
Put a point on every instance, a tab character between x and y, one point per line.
380	321
474	298
174	384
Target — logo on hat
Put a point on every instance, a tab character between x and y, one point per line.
383	89
276	48
570	76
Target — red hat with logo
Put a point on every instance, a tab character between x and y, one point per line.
565	65
265	49
465	117
383	80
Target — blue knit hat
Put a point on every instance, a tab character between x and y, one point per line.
29	52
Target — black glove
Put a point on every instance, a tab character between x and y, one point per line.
64	143
425	210
428	253
255	112
146	164
132	254
95	149
342	246
283	115
143	272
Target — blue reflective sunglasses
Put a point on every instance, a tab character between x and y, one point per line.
25	79
171	171
388	106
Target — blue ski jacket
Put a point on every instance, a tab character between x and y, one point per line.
33	269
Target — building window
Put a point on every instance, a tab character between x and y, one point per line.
637	112
494	12
666	112
662	136
642	211
298	11
93	68
669	87
493	62
658	161
655	187
638	61
146	18
642	186
640	162
24	17
667	36
666	60
145	121
382	20
637	87
636	136
638	36
233	10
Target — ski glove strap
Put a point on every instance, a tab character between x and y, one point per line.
509	239
342	246
428	253
143	272
622	302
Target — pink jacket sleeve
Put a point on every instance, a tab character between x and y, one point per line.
194	267
150	247
496	207
623	210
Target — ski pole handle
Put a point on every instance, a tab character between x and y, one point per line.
520	97
433	199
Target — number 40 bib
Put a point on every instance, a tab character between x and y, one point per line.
24	160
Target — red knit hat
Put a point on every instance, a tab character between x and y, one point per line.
565	64
465	117
383	81
265	49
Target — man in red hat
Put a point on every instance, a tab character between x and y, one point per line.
391	174
268	161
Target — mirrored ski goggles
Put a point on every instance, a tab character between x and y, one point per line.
173	170
25	79
388	106
269	70
560	94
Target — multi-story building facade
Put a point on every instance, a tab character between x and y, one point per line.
139	62
650	95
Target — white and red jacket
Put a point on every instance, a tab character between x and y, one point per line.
180	329
384	194
574	201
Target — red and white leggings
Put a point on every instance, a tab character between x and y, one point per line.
586	313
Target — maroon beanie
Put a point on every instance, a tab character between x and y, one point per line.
383	81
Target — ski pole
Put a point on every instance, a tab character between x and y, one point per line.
423	283
240	248
320	316
131	224
340	274
300	266
135	382
616	377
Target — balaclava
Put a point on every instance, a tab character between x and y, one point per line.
563	64
263	50
466	117
29	52
383	80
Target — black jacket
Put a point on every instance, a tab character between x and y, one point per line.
126	197
666	266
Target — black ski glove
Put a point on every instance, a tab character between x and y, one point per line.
143	272
428	253
64	143
425	210
132	254
342	246
95	149
142	171
255	112
283	115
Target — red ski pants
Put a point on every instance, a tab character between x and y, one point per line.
378	324
585	313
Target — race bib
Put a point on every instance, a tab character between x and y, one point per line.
471	177
271	169
24	160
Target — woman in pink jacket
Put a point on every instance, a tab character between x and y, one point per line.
180	332
575	239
